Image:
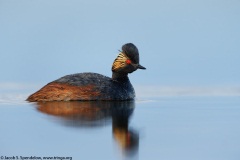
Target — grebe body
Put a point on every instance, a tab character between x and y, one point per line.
85	86
94	86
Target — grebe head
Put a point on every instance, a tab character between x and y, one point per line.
128	60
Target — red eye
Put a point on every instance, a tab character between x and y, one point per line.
128	61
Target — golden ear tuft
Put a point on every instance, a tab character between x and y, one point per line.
119	62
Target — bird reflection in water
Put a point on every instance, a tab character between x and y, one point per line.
97	113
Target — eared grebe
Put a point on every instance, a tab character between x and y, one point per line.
93	86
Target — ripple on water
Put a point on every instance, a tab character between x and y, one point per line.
13	98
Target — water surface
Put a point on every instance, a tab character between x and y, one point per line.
173	127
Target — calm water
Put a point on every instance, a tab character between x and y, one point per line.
166	128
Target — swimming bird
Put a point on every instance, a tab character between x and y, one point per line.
94	86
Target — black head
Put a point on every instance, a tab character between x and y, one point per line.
127	60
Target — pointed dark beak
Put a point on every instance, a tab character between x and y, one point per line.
141	67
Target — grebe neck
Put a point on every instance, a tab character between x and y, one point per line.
120	76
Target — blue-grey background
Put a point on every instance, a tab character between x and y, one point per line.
187	104
181	42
